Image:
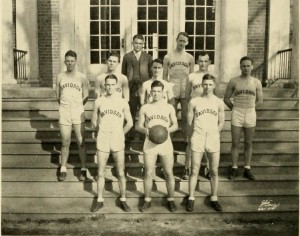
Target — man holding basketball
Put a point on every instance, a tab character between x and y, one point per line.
158	112
109	114
205	121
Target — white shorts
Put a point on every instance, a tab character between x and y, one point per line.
179	87
241	117
158	149
205	141
110	141
69	115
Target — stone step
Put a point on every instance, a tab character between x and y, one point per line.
77	205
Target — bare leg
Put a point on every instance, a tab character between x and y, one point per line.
79	132
236	134
184	107
119	159
102	160
149	161
65	131
168	163
214	159
249	134
196	161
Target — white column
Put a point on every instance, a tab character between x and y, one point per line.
7	43
295	44
233	37
26	33
279	30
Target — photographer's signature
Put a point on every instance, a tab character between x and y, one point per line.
268	205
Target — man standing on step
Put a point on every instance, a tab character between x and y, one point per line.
122	86
110	112
136	66
247	95
205	121
72	94
158	112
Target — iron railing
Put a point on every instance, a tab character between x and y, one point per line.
20	65
284	70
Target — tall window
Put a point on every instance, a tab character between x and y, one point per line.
153	24
200	25
104	29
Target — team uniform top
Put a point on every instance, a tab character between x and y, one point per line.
179	65
157	116
111	113
167	92
245	93
121	79
71	89
195	79
206	115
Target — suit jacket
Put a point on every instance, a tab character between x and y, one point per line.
144	66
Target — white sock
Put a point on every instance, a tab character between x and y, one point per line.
100	199
147	199
83	169
247	167
192	198
214	198
234	167
123	199
63	169
170	199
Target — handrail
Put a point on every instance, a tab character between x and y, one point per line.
285	57
20	65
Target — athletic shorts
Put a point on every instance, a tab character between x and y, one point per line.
241	117
69	115
108	141
179	87
205	141
158	149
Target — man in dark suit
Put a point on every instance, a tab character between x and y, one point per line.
136	66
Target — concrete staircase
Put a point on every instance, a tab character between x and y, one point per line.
31	154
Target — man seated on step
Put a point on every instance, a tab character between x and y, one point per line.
158	112
145	92
110	112
247	95
72	94
122	86
205	121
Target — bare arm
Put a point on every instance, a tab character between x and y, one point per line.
98	87
166	68
173	119
85	90
170	94
192	64
128	118
259	94
141	127
228	94
125	89
190	117
142	94
188	89
95	114
221	117
58	79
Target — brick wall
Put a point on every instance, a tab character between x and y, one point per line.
48	41
257	34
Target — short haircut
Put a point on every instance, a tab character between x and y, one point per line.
71	53
185	34
114	54
208	77
138	36
157	83
202	54
246	58
111	76
157	60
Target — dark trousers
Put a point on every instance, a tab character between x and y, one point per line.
134	104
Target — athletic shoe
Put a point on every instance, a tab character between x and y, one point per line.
233	173
124	206
190	205
97	206
171	206
216	205
62	176
82	176
145	206
186	174
249	175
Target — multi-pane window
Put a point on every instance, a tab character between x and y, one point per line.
104	29
152	22
200	25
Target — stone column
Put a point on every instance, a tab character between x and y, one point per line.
295	44
7	43
233	37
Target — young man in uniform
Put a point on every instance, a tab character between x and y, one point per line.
205	121
178	65
158	112
247	95
136	65
145	94
109	114
122	85
72	93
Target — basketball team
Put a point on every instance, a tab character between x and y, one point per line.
153	89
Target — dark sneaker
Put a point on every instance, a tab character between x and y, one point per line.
216	206
190	205
124	206
62	176
186	174
97	206
233	173
249	175
83	176
171	206
145	206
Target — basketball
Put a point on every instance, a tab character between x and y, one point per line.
158	134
